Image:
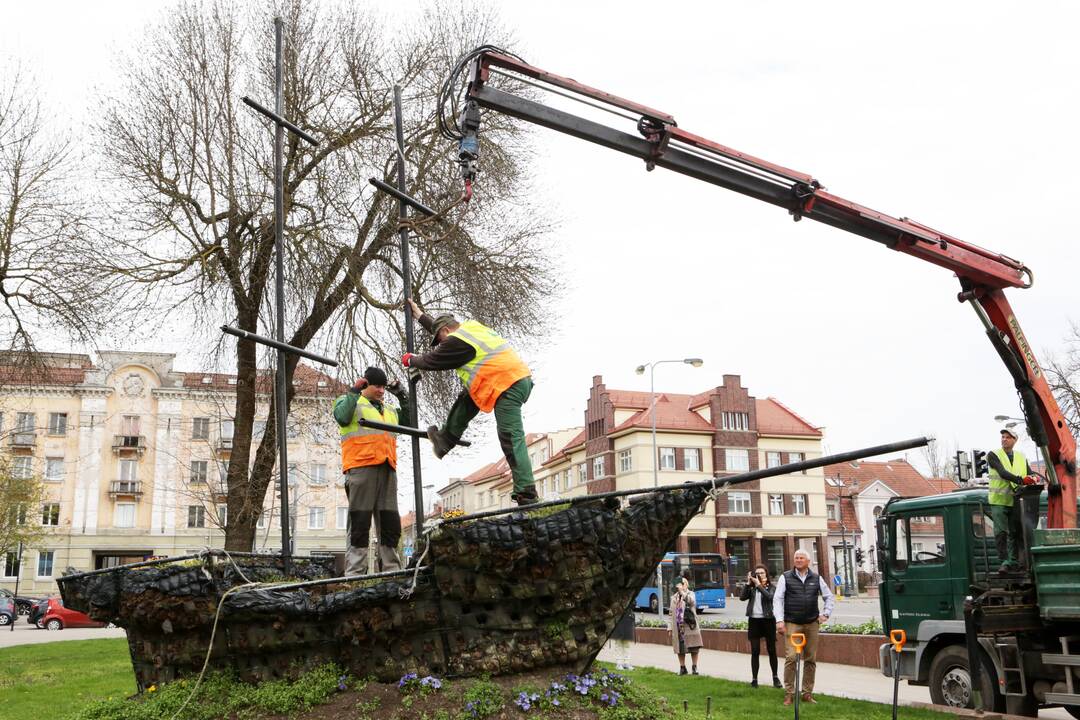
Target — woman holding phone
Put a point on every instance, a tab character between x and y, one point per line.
758	592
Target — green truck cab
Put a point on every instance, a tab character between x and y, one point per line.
1028	625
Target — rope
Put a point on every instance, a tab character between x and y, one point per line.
406	592
715	493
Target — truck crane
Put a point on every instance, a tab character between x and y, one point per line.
1023	627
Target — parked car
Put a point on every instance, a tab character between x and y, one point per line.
7	611
58	617
37	610
23	604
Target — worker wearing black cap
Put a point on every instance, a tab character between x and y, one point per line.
369	461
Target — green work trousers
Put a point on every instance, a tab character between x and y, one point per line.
1006	531
508	424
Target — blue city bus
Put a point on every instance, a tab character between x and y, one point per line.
705	571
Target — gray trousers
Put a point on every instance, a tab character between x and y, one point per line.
372	494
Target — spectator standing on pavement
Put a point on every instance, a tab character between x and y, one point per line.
795	606
683	624
621	638
758	592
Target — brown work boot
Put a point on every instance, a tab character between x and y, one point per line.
527	496
788	698
808	698
440	441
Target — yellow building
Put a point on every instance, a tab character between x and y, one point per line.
133	455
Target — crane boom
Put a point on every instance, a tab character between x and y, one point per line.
661	143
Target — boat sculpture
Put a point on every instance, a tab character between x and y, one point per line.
494	595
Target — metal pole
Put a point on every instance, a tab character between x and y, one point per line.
656	483
279	287
18	574
410	328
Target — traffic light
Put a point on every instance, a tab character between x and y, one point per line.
978	463
858	556
963	467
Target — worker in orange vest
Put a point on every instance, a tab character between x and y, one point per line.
495	379
369	461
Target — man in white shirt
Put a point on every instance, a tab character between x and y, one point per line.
795	606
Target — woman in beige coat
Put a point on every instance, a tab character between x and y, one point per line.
683	625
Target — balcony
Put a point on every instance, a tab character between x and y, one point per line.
23	439
123	443
125	487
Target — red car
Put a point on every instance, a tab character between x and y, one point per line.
58	617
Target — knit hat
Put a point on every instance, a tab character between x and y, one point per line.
375	376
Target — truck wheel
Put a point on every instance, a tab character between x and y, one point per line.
1023	706
950	681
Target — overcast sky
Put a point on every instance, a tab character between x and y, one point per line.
959	115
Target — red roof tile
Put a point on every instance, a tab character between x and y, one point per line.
898	475
775	418
564	452
672	413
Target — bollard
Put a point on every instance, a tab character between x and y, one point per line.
798	641
708	707
897	638
685	706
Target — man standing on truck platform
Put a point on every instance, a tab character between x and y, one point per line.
1008	470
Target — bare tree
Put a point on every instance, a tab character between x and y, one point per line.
938	457
44	281
195	169
1063	374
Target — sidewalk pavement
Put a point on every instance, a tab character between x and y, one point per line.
847	681
26	634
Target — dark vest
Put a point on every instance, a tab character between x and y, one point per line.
800	599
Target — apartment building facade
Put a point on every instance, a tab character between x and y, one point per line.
720	432
133	455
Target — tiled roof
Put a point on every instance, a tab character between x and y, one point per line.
10	375
775	418
900	477
672	413
489	471
408	520
563	452
847	510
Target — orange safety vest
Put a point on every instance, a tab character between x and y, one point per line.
363	446
495	367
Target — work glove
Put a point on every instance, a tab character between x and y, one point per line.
358	386
1031	480
407	358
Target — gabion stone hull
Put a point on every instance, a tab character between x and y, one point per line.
498	596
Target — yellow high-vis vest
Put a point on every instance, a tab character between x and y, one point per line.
495	367
363	446
1000	488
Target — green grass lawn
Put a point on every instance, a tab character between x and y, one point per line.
54	680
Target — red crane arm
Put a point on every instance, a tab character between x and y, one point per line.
661	143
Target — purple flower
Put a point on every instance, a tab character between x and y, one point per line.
341	682
406	679
432	682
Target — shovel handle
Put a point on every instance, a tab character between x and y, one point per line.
897	638
798	641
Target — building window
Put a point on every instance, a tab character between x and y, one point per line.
795	458
261	522
294	475
129	425
692	459
625	463
24	422
17	514
316	519
582	478
342	517
196	516
45	563
598	467
798	504
258	429
54	469
739	503
200	428
58	423
772	459
124	515
50	514
832	511
22	467
222	516
129	470
667	458
318	474
736	460
11	565
734	421
776	504
200	471
226	429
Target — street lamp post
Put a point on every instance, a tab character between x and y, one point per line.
693	362
844	544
